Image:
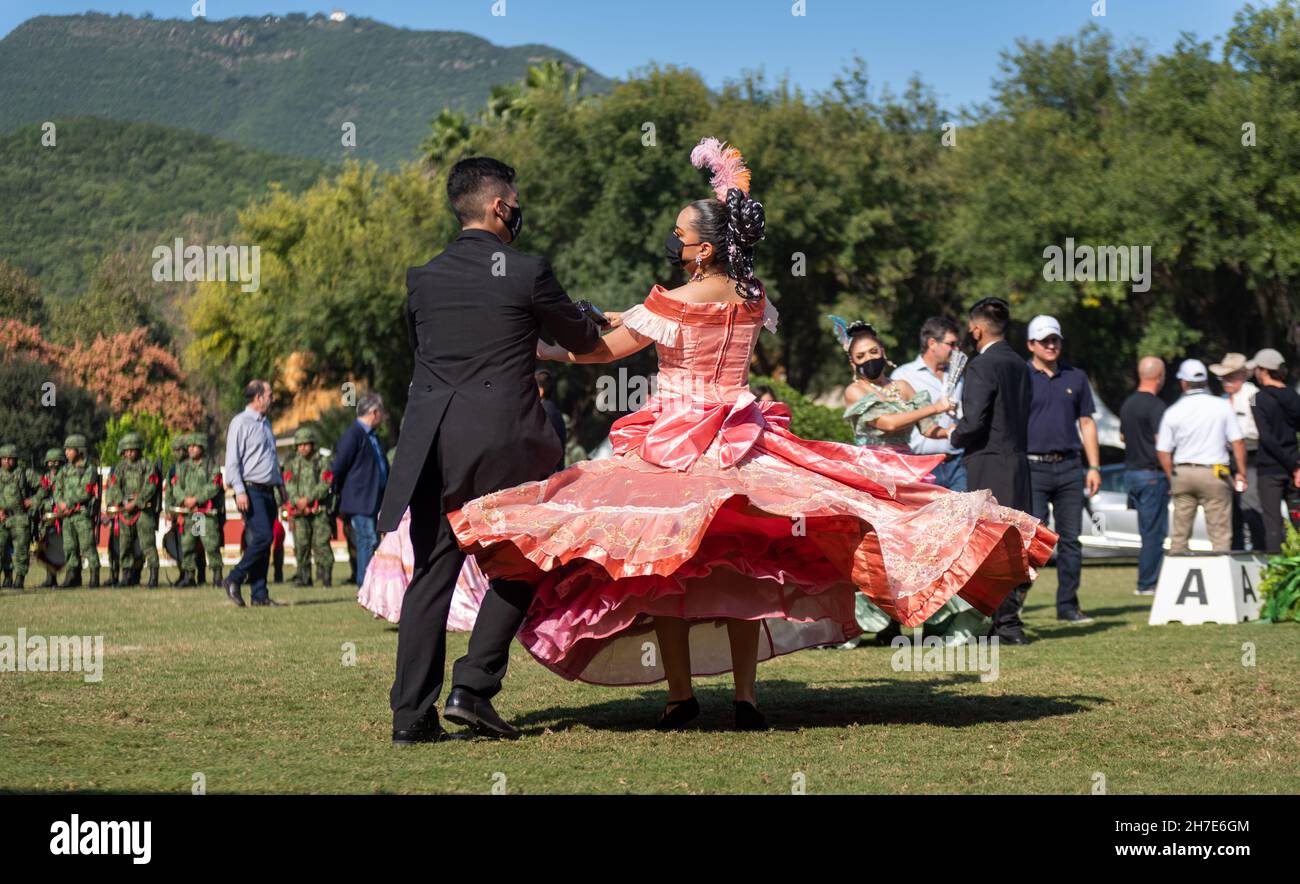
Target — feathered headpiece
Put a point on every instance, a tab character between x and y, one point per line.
726	164
845	332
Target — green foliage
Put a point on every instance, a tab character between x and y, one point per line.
20	296
157	438
36	427
808	420
283	84
1280	583
109	186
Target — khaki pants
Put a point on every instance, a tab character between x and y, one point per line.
1195	486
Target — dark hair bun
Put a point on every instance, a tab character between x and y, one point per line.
746	220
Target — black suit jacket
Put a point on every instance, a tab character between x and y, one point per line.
994	427
356	473
474	416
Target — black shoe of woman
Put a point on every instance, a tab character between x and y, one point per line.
748	718
677	714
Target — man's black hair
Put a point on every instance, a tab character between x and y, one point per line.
473	183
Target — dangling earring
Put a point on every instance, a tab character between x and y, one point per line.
699	273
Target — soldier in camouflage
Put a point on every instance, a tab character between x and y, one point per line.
18	486
76	493
43	503
196	491
307	481
135	489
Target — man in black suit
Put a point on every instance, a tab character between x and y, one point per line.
994	431
474	424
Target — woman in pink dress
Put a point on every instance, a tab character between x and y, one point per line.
715	538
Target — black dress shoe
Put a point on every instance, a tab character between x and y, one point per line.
748	718
232	593
187	579
1075	616
1010	638
476	713
678	713
267	602
426	731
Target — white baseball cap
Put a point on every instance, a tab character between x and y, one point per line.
1043	326
1192	370
1268	358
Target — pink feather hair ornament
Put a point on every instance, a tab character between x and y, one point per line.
726	164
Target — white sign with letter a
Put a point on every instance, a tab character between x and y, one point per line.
1220	588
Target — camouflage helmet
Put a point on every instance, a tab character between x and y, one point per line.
129	441
55	454
304	435
8	450
196	439
76	442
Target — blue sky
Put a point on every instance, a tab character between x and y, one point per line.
952	44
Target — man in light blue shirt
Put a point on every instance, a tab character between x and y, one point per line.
253	471
939	338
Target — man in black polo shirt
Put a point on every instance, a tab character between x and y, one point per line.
1060	417
1277	415
1144	478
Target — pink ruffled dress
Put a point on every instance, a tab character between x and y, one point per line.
711	508
389	573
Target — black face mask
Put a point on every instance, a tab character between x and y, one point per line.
673	246
871	369
515	222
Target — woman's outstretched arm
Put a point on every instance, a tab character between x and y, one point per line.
616	345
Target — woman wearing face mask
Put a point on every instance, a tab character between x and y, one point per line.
715	538
881	411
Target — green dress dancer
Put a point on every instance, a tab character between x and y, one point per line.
956	622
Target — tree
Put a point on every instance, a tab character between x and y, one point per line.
20	296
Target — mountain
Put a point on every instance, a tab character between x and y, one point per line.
281	83
107	184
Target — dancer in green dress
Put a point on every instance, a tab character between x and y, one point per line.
883	413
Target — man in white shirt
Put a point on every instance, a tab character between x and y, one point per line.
939	338
1192	446
1247	510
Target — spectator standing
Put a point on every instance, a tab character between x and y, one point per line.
1060	424
1144	480
940	336
1247	512
360	476
546	389
1195	435
1277	416
253	471
993	429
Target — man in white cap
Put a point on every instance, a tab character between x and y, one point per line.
1277	414
1195	436
1061	428
1247	513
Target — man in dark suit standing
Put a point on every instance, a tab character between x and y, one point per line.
474	424
994	431
360	471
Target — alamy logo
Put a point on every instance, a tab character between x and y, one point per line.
1099	263
77	837
55	653
182	263
933	654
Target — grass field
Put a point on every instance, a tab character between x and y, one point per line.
259	701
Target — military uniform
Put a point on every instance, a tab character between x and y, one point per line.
18	486
201	480
309	478
43	502
135	490
76	495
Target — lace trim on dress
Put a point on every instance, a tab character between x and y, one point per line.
651	325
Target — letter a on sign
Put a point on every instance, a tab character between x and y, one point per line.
1186	592
1247	591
